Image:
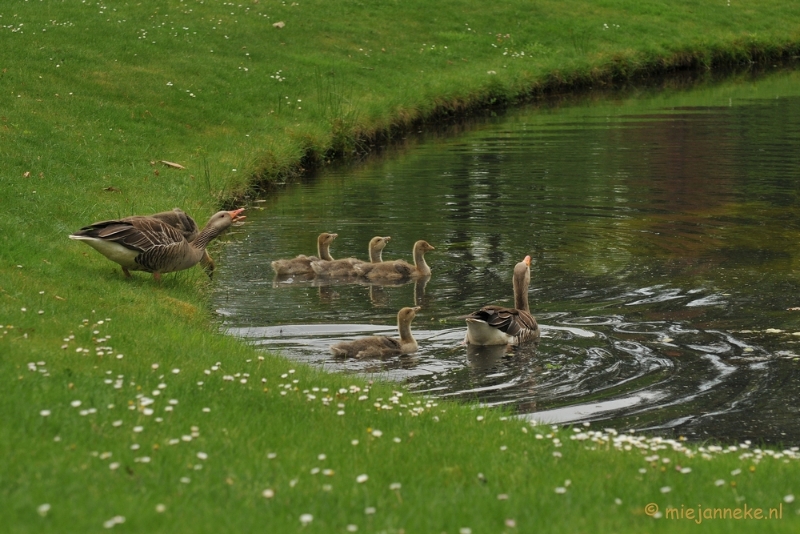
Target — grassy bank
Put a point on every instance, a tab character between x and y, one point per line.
94	96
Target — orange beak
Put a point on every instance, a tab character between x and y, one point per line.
235	215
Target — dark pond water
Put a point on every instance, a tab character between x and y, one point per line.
663	227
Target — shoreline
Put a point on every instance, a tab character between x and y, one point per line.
553	86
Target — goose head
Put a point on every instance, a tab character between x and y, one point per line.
376	246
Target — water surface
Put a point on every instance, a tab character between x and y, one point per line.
663	230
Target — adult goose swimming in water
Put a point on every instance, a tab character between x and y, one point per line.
382	346
149	244
345	268
302	264
496	325
387	271
186	225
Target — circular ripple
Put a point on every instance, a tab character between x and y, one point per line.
597	320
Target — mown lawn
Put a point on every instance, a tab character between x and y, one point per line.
119	397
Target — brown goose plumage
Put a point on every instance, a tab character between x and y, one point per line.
496	325
186	225
398	269
302	264
148	244
382	346
345	268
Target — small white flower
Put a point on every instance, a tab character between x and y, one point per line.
736	472
352	528
719	482
617	501
305	519
45	413
377	433
43	509
561	490
362	478
665	489
138	428
176	371
394	486
113	465
161	508
185	480
788	498
202	455
268	493
369	510
321	457
116	520
465	530
75	403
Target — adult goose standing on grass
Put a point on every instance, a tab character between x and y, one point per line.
302	264
345	268
496	325
149	244
387	271
186	225
382	346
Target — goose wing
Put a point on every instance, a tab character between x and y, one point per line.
385	269
367	347
510	321
136	233
180	220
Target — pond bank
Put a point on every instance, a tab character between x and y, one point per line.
358	142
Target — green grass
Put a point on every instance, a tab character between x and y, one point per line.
94	95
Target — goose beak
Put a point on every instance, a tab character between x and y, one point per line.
527	261
235	215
